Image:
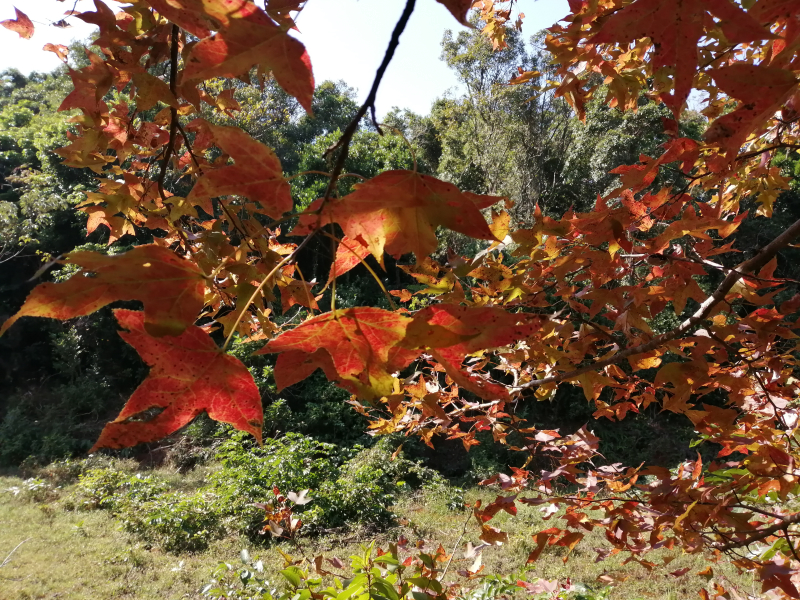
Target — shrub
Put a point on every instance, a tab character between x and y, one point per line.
69	470
115	490
177	522
230	582
34	490
348	486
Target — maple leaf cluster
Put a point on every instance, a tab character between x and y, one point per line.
568	301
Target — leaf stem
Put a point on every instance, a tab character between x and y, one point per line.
173	126
260	287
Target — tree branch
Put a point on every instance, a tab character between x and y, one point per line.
369	103
753	264
173	127
762	534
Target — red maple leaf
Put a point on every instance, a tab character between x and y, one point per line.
246	38
170	288
452	332
256	174
398	212
459	9
760	89
363	344
189	374
675	28
349	254
22	25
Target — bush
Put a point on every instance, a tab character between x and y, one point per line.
115	490
34	490
69	470
177	522
366	489
348	486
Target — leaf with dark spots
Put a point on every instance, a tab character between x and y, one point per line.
171	289
189	374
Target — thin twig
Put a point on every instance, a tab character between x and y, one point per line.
458	543
325	173
173	127
369	103
363	262
344	144
261	285
762	534
8	558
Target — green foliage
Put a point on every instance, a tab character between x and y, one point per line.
380	575
33	490
349	487
177	522
610	137
112	489
312	407
369	155
246	582
35	190
89	367
501	139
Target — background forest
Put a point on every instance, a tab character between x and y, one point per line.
60	382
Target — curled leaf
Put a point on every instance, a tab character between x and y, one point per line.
22	25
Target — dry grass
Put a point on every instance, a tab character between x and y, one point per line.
84	556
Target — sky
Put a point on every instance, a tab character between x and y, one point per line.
346	40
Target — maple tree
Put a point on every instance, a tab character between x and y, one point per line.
579	300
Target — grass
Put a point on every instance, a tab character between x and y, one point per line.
70	554
83	555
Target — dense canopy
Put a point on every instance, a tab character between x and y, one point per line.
636	294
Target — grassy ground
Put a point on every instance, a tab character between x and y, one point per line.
78	555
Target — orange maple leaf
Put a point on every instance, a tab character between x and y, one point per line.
293	366
349	254
363	344
452	332
760	89
297	292
151	90
22	25
398	211
91	84
256	174
170	288
59	50
189	374
675	29
246	37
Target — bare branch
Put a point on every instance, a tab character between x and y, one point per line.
173	127
369	103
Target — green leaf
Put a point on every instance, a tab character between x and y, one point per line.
293	575
426	584
385	589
